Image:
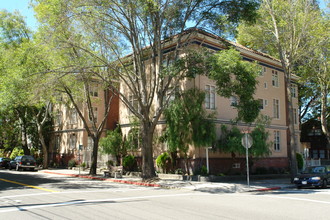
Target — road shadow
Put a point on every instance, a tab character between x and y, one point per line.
304	191
13	180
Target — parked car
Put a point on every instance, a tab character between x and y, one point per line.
4	162
313	176
26	162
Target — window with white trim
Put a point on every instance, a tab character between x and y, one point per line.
94	90
293	90
209	97
274	78
73	141
90	143
277	141
262	71
295	116
134	102
261	104
57	142
276	108
58	118
73	116
233	101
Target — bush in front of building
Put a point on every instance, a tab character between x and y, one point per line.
72	163
129	163
300	161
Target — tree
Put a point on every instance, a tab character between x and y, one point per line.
113	144
283	29
141	28
188	123
21	91
315	69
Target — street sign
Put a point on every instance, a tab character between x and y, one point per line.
247	143
247	140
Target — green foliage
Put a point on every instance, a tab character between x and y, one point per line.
235	77
163	161
72	163
300	161
111	144
129	163
201	171
231	139
187	122
16	152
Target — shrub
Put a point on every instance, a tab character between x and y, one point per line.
129	162
201	171
163	160
72	163
83	165
300	161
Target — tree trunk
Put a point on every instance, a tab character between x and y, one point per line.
44	148
24	140
293	139
148	169
93	168
324	123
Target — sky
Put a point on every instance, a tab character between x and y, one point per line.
23	7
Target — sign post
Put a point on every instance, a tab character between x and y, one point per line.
247	143
79	154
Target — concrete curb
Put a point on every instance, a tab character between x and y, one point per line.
105	179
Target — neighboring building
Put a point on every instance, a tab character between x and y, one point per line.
314	142
70	139
271	91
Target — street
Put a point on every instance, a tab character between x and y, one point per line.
35	195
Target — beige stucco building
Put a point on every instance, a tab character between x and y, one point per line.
271	91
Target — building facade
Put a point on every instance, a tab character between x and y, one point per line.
271	92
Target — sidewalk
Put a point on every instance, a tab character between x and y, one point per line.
211	187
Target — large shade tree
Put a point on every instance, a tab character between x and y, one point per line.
283	29
140	29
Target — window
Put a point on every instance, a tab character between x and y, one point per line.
295	116
315	154
93	90
134	102
277	146
293	90
233	101
276	108
58	118
322	154
265	102
261	103
209	97
262	71
236	165
90	143
94	109
73	141
57	142
73	116
274	78
265	85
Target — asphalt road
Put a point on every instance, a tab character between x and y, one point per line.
33	195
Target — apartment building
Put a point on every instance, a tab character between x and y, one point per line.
271	91
70	139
